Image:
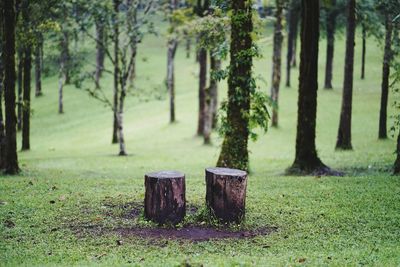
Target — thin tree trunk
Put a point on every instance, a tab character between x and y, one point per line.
294	53
65	48
2	126
364	48
202	88
330	44
306	159
26	110
61	81
38	67
385	78
11	164
20	76
215	66
121	139
344	132
291	43
276	62
116	73
396	169
100	53
133	20
172	45
234	152
188	46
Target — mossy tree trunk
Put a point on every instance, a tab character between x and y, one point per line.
215	66
385	78
344	132
276	62
11	163
202	89
306	159
234	152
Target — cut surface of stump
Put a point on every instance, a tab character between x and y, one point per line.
226	193
165	200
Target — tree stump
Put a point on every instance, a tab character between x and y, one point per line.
226	193
164	200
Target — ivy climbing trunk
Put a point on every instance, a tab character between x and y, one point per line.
385	78
26	110
116	72
172	45
293	20
234	153
364	48
276	62
20	85
38	66
330	44
202	88
306	158
11	163
344	132
100	52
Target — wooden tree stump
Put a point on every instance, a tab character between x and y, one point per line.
164	200
226	193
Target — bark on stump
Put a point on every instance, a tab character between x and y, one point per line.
165	200
226	193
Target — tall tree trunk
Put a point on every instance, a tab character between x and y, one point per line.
38	66
2	129
20	83
121	139
396	169
188	46
385	78
234	153
11	163
364	48
62	80
116	72
276	62
172	45
133	23
330	44
202	88
26	110
344	132
215	66
306	159
100	53
293	19
65	49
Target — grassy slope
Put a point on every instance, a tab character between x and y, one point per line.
350	220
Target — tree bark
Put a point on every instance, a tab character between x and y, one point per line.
11	163
116	72
121	139
276	62
396	169
215	66
65	51
188	46
100	53
62	80
202	88
172	45
20	85
293	19
26	110
330	44
2	126
306	159
38	66
234	153
385	78
364	48
226	193
133	22
165	200
344	132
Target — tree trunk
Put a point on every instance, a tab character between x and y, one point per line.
215	66
396	169
234	153
116	73
344	132
100	53
20	84
226	193
61	81
26	110
172	45
38	67
2	129
306	159
11	163
121	139
276	62
133	20
293	19
330	44
165	200
65	49
385	78
188	46
364	48
202	88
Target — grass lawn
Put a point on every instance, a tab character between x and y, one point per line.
72	180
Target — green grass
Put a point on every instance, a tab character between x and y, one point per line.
351	220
